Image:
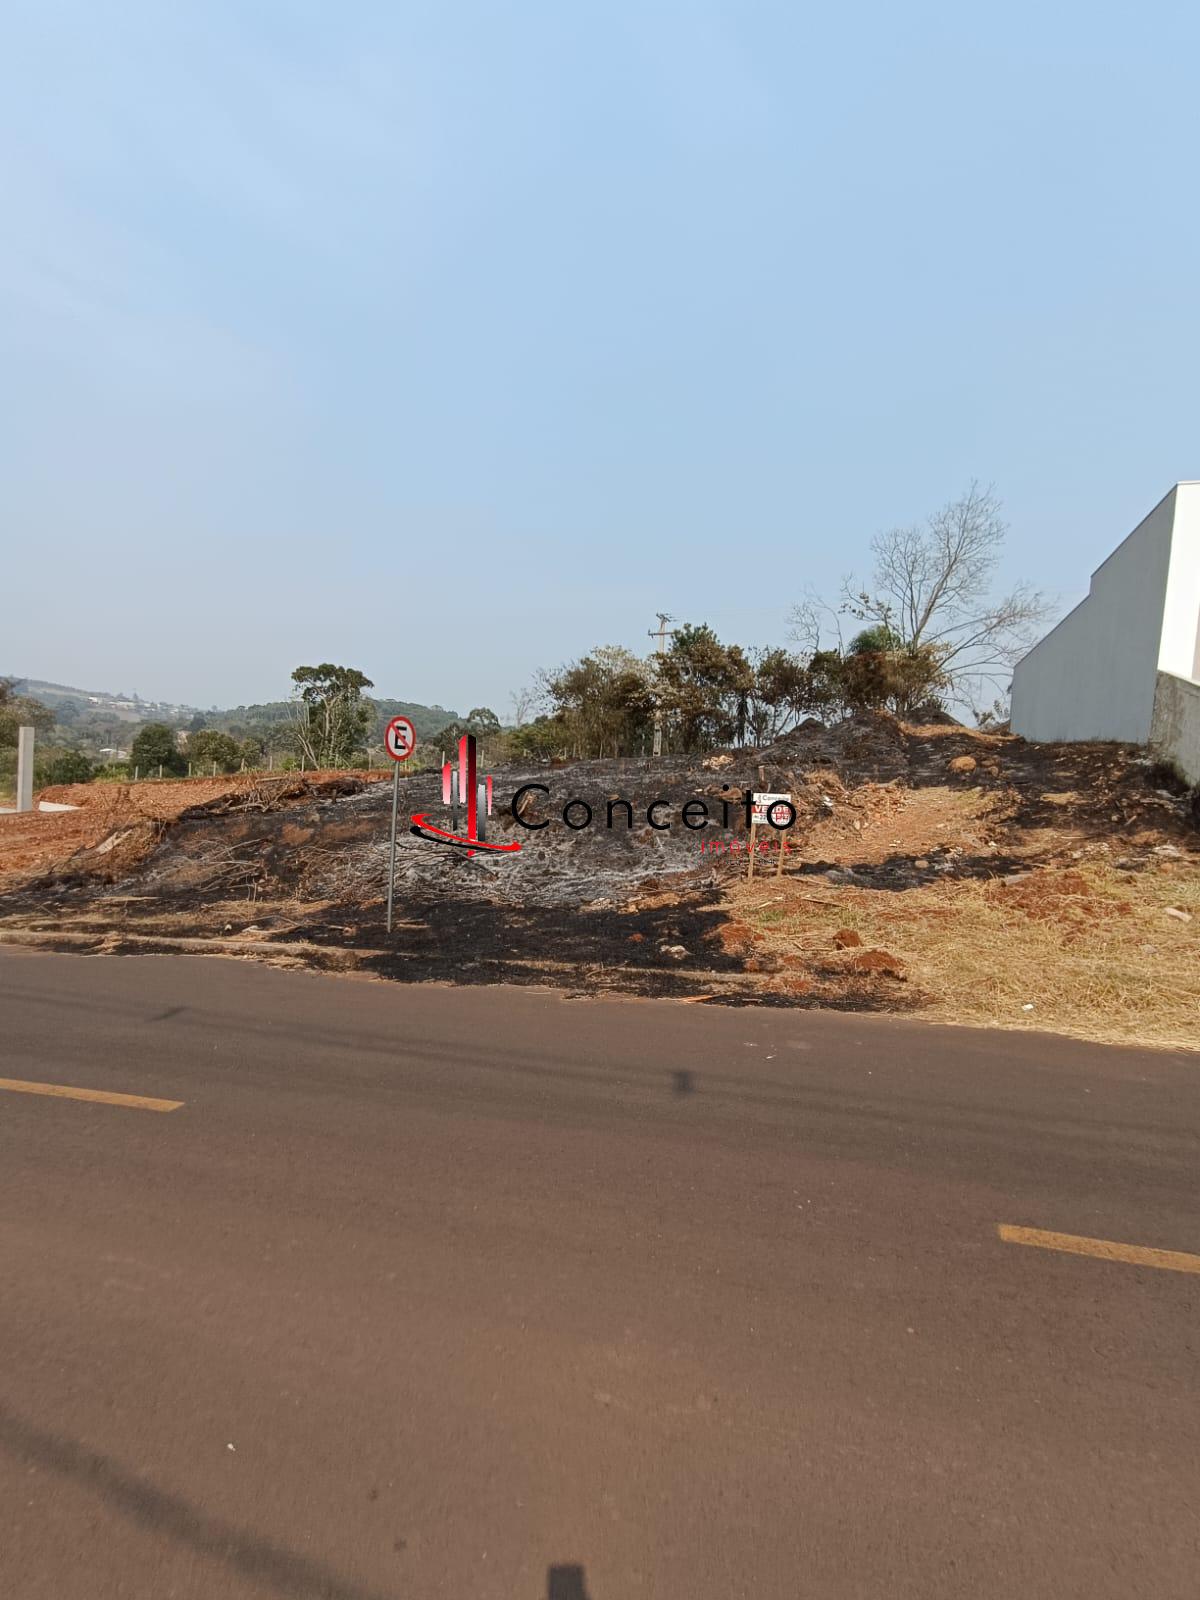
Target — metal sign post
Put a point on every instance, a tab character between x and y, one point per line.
762	813
399	740
392	852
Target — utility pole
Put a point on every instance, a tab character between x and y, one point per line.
661	634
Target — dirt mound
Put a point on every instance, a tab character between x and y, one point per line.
871	745
113	826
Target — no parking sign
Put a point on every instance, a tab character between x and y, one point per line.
399	738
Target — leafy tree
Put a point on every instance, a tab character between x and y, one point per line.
824	692
64	766
537	740
704	688
602	702
779	695
445	740
155	747
210	746
21	711
483	723
329	714
874	639
900	681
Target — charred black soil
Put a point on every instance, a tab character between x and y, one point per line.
631	898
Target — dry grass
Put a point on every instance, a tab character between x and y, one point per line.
1092	950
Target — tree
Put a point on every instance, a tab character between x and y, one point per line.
933	587
209	747
64	766
704	688
824	693
779	696
536	740
880	672
901	681
21	711
523	702
482	722
329	714
875	639
933	593
602	702
155	747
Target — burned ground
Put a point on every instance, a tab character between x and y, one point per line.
900	833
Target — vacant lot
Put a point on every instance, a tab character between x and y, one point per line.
961	875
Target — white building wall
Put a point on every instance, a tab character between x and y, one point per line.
1094	675
1180	653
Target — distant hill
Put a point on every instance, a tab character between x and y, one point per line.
100	716
69	703
427	720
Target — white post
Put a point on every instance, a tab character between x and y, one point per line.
25	769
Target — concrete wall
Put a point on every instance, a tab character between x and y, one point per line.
1175	733
1094	675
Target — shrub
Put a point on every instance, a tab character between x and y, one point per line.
64	766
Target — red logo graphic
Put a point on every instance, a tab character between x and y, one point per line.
458	784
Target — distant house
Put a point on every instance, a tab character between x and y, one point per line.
1125	664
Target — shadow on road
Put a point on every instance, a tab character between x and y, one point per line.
168	1515
566	1583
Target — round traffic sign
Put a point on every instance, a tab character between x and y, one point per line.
399	738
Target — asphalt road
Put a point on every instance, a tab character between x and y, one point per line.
487	1293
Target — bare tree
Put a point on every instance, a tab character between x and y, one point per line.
523	703
933	588
811	619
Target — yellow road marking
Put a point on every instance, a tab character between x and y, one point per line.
62	1091
1074	1244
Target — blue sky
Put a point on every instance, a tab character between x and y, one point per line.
449	341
